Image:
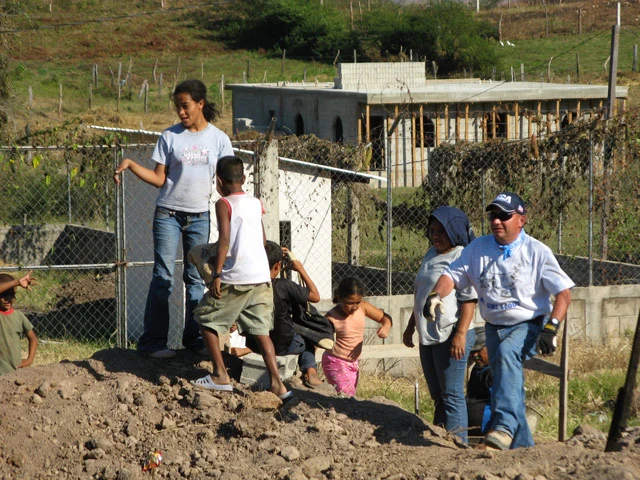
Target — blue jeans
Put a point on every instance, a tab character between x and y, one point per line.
445	378
508	348
305	351
168	227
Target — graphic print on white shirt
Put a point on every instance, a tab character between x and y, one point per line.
194	155
499	284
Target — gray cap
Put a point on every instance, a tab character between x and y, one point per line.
480	339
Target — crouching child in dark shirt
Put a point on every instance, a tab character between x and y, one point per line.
289	302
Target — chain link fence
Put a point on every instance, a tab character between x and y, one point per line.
57	207
91	244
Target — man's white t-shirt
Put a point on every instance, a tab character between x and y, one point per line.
514	289
191	159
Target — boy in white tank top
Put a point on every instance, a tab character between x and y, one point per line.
240	291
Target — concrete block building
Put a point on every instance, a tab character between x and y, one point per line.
403	116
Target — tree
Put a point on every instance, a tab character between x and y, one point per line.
445	31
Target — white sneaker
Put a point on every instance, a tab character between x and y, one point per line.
164	354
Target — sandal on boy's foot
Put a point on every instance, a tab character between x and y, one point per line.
208	384
498	440
325	343
286	395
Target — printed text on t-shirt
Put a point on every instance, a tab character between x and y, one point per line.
194	155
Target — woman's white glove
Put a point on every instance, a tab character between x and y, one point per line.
434	302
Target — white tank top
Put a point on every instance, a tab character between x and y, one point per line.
246	261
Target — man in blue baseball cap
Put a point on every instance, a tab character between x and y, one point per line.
515	276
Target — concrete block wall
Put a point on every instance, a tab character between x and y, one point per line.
597	315
604	315
254	371
28	244
380	75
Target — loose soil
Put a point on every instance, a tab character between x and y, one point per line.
100	418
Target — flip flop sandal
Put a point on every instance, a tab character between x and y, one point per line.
286	395
208	384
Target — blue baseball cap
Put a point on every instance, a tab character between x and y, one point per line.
508	202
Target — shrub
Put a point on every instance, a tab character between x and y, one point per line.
446	32
301	28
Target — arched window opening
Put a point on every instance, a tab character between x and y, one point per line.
428	133
338	134
299	125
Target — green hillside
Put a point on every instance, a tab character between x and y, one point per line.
52	48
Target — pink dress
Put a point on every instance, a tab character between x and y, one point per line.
340	365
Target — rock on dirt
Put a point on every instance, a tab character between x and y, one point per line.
99	418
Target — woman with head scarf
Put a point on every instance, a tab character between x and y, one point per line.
446	342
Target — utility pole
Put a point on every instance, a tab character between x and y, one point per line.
613	72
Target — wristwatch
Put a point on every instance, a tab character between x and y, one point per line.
217	275
552	325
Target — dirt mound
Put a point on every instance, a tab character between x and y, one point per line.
100	418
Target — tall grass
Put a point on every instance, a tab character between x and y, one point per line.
56	350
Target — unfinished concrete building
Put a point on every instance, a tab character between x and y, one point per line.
403	116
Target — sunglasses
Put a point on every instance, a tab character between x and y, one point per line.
502	216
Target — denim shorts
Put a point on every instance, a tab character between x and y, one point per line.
249	306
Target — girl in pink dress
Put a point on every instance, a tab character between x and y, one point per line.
340	364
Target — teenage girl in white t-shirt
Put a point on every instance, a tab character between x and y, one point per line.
185	160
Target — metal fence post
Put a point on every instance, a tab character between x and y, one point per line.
484	200
387	148
590	238
560	214
396	121
121	277
69	196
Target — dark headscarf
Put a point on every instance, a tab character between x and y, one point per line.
456	224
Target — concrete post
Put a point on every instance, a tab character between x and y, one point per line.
353	228
268	191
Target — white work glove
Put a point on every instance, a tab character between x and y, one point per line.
434	302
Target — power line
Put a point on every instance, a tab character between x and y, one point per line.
111	19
